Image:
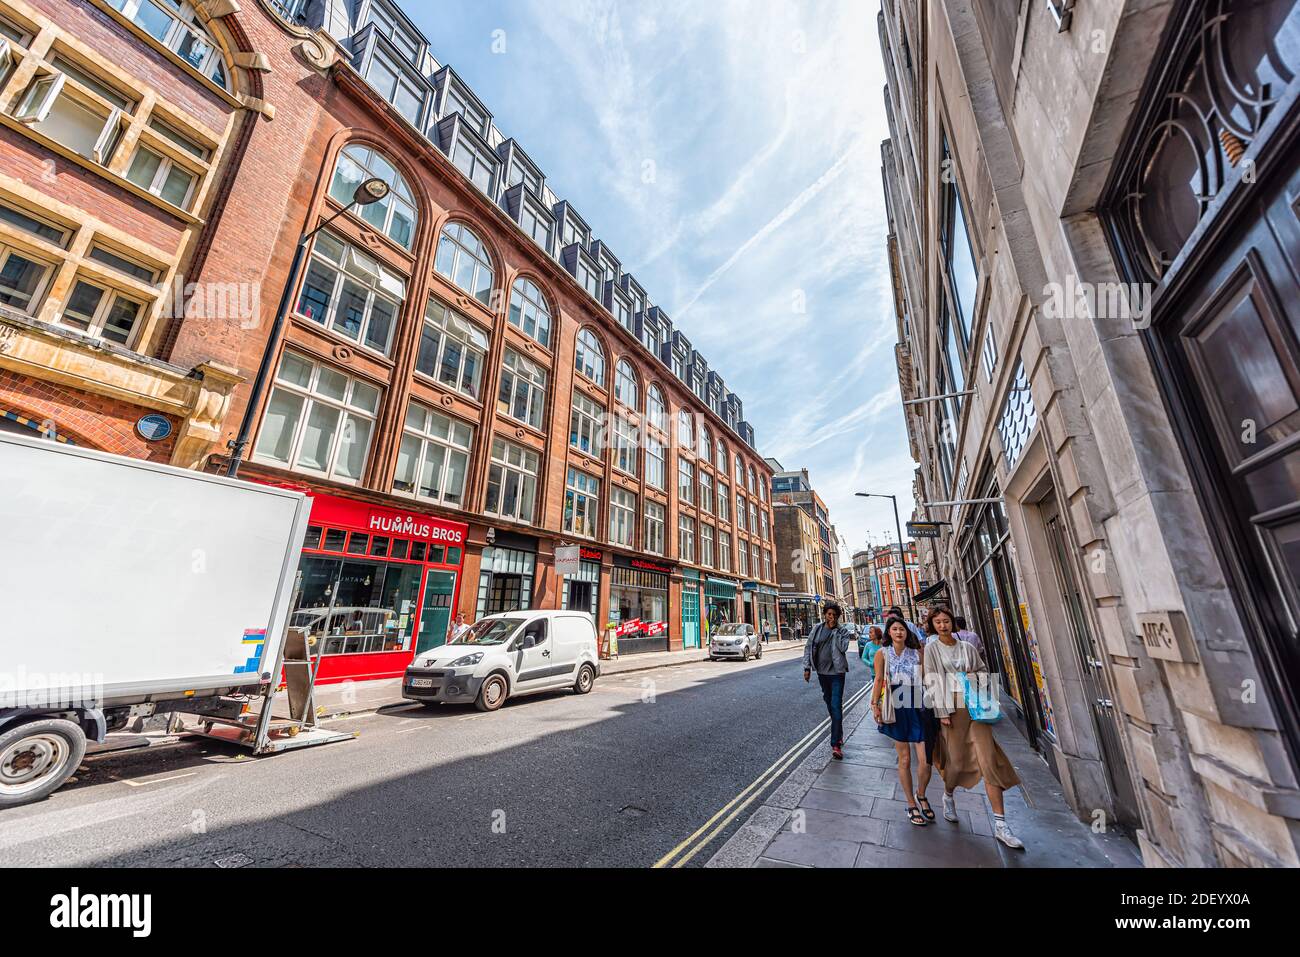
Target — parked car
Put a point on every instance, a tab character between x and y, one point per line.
507	655
735	640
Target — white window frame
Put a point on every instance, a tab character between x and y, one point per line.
685	480
445	438
481	260
517	370
38	294
724	502
589	347
626	444
37	101
165	166
622	516
108	298
724	551
452	327
586	421
656	465
706	545
520	466
706	492
655	528
626	387
528	303
686	539
581	504
368	161
311	396
366	272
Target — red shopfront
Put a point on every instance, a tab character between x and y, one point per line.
379	585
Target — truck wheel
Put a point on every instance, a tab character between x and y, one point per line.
492	695
36	758
586	679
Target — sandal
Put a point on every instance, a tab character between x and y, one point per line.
928	811
914	815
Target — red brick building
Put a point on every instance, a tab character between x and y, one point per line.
466	374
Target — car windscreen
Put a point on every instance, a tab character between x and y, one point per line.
490	631
731	629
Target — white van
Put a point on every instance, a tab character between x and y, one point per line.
501	656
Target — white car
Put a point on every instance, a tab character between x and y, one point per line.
735	640
502	656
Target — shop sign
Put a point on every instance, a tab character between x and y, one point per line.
924	529
642	564
591	555
330	510
568	560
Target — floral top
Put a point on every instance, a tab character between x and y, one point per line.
902	667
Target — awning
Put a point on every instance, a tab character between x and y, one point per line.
932	592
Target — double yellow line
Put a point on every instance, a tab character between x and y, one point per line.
715	825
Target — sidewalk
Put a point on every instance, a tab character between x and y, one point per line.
852	813
361	697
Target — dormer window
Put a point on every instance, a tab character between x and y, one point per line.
473	117
474	162
519	173
395	86
386	23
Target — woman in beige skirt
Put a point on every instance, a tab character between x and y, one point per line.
965	752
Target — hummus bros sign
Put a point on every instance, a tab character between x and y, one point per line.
329	510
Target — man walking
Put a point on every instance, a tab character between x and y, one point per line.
826	651
965	634
457	629
897	612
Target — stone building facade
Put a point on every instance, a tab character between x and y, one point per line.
1094	266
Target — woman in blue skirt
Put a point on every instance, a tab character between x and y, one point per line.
901	663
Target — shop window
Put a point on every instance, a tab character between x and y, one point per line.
23	279
433	457
358	543
318	420
589	359
585	424
581	504
522	394
357	605
625	384
622	516
396	86
335	539
175	26
351	294
395	214
68	115
529	311
452	350
512	482
626	443
654	528
102	313
686	539
463	260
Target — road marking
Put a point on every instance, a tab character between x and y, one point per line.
422	727
700	839
142	784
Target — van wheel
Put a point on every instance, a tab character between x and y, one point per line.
586	679
36	758
492	695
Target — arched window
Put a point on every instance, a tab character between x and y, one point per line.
720	459
685	431
530	312
464	260
656	414
590	358
394	215
625	385
706	442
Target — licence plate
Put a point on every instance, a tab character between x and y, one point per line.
421	682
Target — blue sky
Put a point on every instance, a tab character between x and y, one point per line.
729	153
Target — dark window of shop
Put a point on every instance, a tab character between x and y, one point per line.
365	597
505	581
991	583
581	592
638	603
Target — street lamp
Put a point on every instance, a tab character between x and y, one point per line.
373	190
902	552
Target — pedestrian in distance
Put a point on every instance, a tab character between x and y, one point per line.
458	628
899	672
965	634
965	752
826	652
870	642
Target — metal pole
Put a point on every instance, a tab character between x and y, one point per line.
264	367
902	554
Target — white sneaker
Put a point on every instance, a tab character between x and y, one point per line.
949	808
1003	834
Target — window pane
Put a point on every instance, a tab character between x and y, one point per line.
176	187
278	425
144	167
352	309
408	460
431	473
453	485
322	423
80	311
352	450
317	290
121	320
332	384
19	281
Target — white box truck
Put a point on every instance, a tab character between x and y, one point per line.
128	587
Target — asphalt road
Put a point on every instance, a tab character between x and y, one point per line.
615	778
